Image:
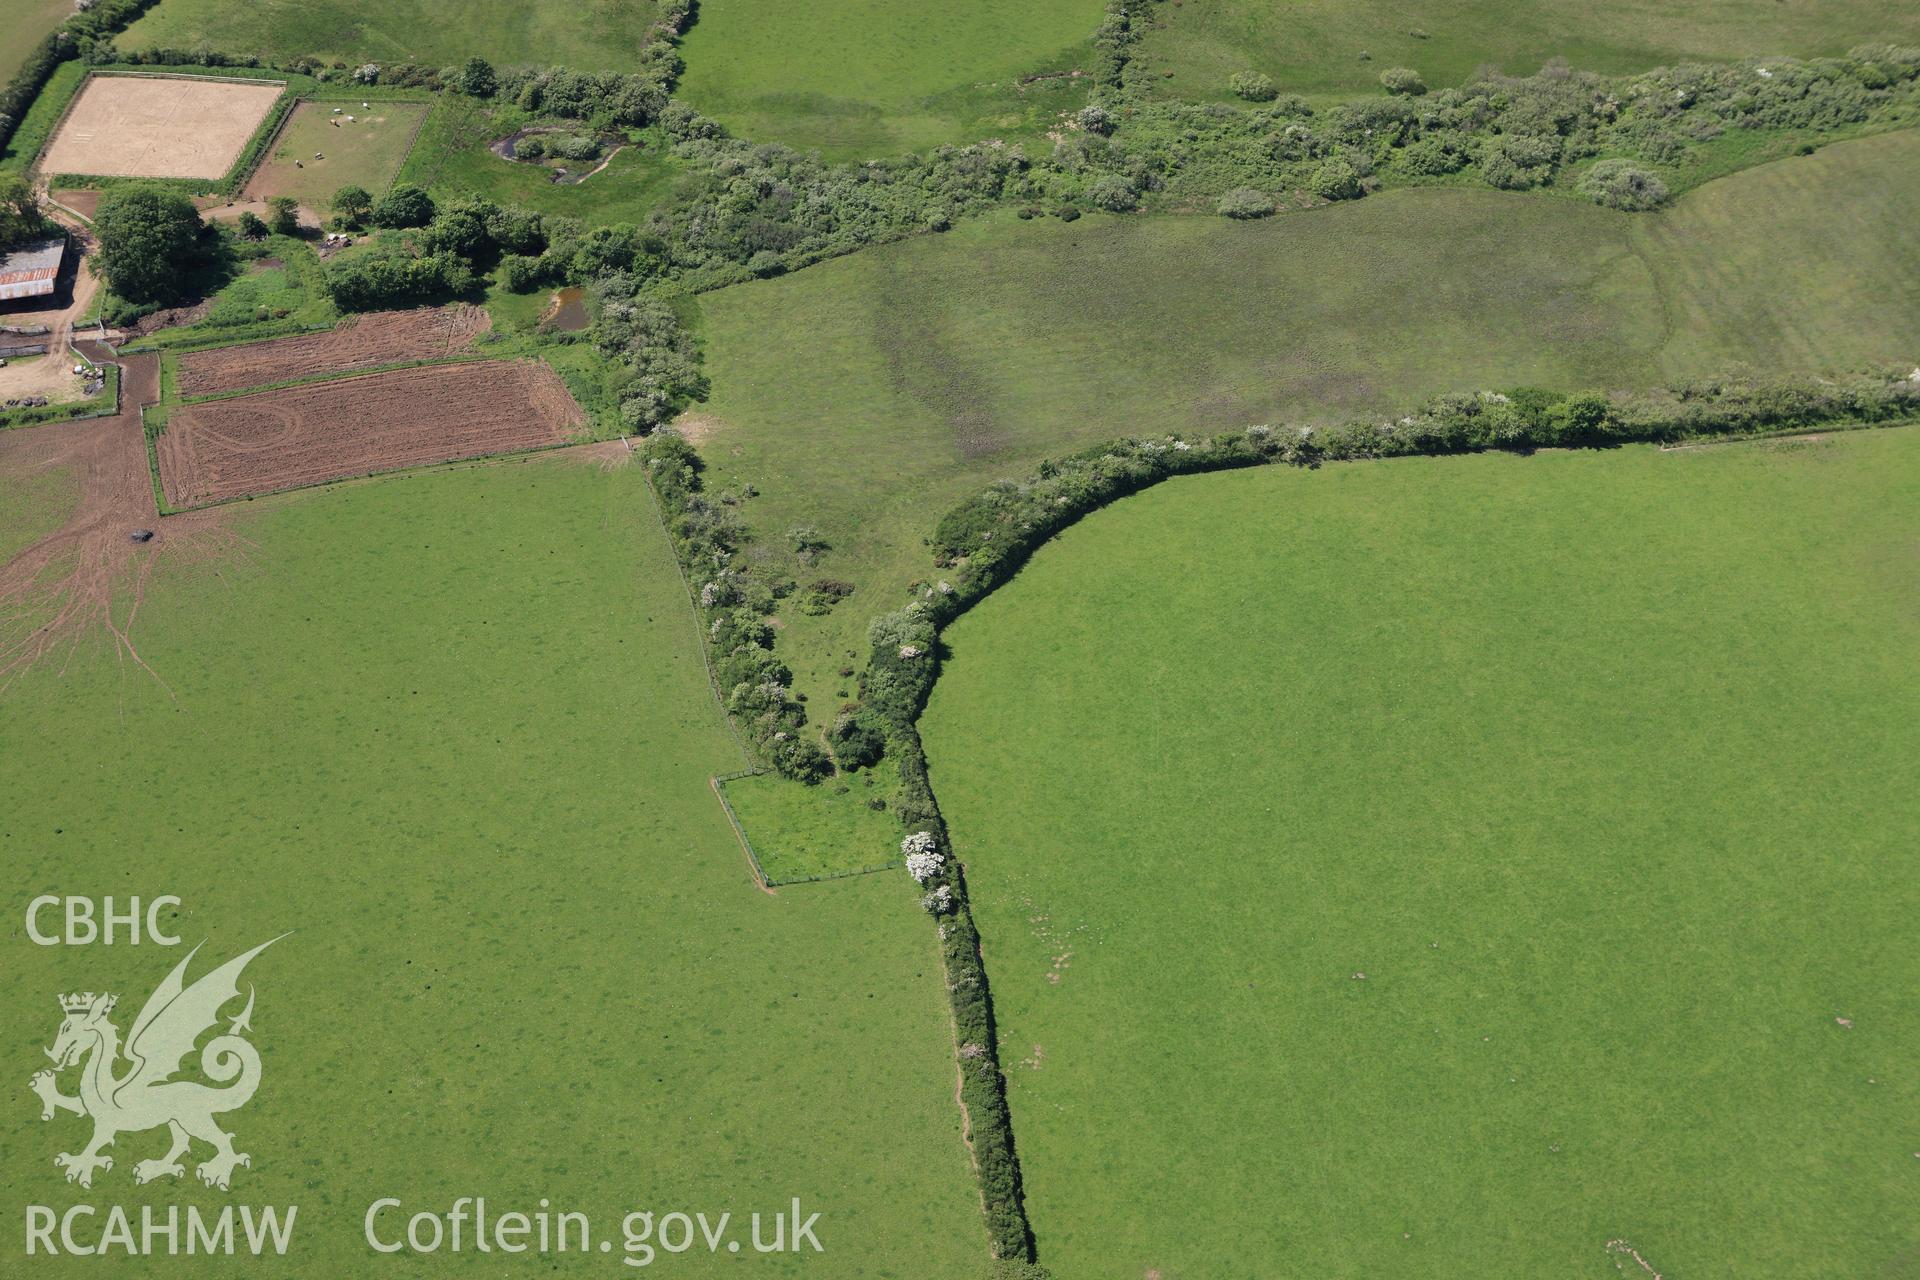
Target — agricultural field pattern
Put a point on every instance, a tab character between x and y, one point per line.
1072	640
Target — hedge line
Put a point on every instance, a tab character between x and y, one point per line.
71	39
754	685
982	542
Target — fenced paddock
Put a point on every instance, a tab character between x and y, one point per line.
135	126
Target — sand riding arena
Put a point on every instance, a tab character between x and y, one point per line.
218	450
129	126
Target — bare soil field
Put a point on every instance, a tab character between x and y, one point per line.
296	436
88	574
363	342
158	127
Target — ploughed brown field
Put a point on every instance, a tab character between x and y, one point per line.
297	436
362	342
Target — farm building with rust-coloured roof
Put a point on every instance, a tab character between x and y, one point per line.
30	272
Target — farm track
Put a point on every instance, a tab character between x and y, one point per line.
366	342
220	450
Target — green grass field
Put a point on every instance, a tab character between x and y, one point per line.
451	158
1316	46
1596	765
600	35
859	79
452	729
866	395
802	832
27	24
318	152
36	502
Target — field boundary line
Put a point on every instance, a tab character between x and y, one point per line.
739	831
413	140
706	659
244	180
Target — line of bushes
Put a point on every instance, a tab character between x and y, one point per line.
981	543
733	608
73	38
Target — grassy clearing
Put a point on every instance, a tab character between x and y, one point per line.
601	35
866	395
27	24
36	504
452	158
862	79
1593	765
1316	46
529	961
799	833
319	152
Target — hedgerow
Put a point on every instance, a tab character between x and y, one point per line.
982	542
751	681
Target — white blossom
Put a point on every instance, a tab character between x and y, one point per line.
919	842
909	650
939	902
924	866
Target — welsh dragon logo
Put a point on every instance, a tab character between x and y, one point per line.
146	1095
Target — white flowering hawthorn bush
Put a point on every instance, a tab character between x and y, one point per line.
939	902
924	860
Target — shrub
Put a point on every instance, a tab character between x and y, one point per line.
522	273
807	542
1113	193
856	740
404	206
531	147
1515	162
477	79
1336	180
353	206
20	216
1430	157
1253	86
459	230
1096	119
395	278
1621	184
573	146
1245	202
1403	80
283	216
250	226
